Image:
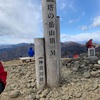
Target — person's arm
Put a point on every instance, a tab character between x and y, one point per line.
3	76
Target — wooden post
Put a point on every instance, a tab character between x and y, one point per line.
40	62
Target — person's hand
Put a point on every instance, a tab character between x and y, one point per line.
94	46
1	87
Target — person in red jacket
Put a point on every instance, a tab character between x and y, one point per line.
89	44
3	76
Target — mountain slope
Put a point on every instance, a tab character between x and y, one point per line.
68	49
14	51
71	48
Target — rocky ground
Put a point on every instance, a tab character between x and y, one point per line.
80	81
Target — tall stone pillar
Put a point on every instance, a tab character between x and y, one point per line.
51	42
58	44
40	63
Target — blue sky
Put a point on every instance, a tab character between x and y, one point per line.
21	20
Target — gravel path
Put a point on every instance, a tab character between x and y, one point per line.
21	84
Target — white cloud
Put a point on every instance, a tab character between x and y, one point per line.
96	22
63	5
84	28
20	20
81	37
66	4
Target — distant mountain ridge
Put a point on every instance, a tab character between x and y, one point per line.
11	52
68	49
11	46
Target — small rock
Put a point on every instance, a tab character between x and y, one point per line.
93	88
78	95
83	65
14	94
32	84
44	93
75	69
86	74
66	97
98	61
37	97
39	91
97	66
29	97
95	73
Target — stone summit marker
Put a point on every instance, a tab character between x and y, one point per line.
40	63
91	52
52	41
47	49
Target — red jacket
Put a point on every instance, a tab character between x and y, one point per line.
76	56
90	45
3	74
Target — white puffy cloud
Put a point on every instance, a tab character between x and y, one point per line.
81	37
96	22
20	20
84	28
65	5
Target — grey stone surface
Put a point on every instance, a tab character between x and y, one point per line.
14	94
86	74
99	62
51	43
58	45
95	73
40	62
91	52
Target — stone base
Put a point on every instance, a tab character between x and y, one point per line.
93	57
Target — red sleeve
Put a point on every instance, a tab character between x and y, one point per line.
3	74
90	44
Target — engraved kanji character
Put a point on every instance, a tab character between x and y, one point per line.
51	15
51	24
40	61
51	32
41	78
41	68
41	73
53	52
50	7
52	40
